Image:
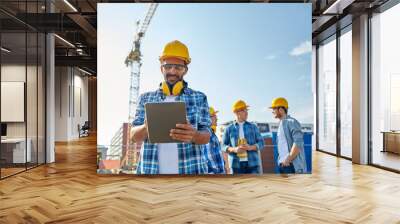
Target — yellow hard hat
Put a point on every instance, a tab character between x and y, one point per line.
279	102
213	111
176	49
238	105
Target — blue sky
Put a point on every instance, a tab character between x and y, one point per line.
253	52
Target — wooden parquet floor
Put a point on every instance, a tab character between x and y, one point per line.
70	191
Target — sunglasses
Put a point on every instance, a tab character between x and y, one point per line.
177	67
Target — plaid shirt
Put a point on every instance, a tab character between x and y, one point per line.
215	160
191	156
253	137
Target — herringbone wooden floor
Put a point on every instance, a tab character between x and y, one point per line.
70	191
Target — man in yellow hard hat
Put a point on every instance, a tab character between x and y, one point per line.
242	141
187	156
215	159
291	156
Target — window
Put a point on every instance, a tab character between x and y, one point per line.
346	92
385	89
327	95
22	65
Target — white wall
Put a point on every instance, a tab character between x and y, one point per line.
62	81
71	94
12	73
81	84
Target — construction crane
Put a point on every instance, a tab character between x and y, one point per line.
134	60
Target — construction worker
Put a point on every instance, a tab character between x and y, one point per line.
215	159
242	140
291	156
187	156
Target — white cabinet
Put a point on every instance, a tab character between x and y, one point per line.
18	149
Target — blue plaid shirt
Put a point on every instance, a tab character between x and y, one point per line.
215	160
191	156
253	137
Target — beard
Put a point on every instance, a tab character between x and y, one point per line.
176	78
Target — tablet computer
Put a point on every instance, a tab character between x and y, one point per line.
161	118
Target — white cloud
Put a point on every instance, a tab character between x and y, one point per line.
303	48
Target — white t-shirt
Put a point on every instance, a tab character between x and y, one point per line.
241	131
283	147
168	157
241	136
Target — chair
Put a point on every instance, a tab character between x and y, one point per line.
84	130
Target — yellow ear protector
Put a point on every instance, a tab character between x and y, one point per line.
173	90
214	128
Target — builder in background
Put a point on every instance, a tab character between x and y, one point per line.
242	140
186	157
291	156
215	159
